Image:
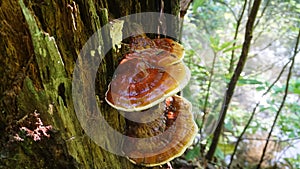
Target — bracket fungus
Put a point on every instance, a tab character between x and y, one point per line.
148	75
163	139
145	83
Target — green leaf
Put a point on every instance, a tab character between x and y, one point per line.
270	108
229	126
260	88
197	4
227	148
198	122
193	153
278	89
243	81
233	48
295	86
219	154
214	43
225	45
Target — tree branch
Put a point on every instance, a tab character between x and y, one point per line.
239	20
274	140
205	112
262	13
286	148
234	78
240	138
230	9
283	101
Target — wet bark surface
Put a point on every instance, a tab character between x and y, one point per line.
39	45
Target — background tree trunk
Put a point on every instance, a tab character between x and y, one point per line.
39	45
234	79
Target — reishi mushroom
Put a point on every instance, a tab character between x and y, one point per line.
147	76
163	139
159	124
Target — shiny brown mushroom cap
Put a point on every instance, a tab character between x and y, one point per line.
146	77
165	138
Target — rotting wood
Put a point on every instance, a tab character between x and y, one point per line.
40	42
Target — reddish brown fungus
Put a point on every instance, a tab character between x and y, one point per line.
146	77
164	138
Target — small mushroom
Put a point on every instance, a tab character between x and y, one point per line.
158	142
148	76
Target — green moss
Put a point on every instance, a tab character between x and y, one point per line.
96	25
56	92
48	57
30	99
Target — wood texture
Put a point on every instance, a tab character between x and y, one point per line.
39	45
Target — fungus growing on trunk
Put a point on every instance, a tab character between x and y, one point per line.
148	75
163	139
159	124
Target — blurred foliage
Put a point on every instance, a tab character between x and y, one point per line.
208	37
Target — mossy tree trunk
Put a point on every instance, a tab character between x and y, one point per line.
39	45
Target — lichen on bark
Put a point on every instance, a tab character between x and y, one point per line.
40	42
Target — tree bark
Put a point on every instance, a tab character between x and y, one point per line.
39	45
